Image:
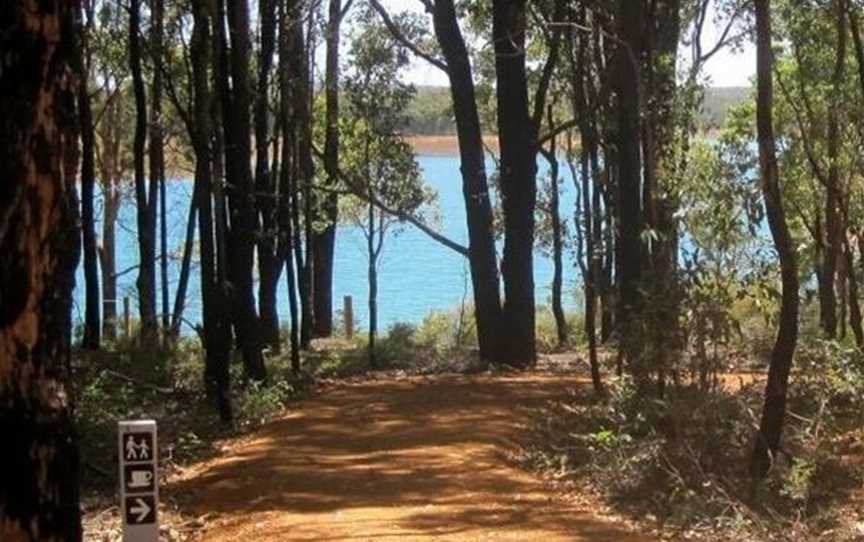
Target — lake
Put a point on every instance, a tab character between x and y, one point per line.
417	275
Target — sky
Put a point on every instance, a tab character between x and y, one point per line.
727	68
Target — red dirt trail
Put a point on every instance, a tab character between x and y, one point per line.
394	460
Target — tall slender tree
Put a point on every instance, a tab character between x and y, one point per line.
92	324
146	208
774	411
157	153
517	135
482	257
269	265
241	191
627	84
325	240
217	324
304	169
287	190
39	498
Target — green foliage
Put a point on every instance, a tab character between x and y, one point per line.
398	345
257	403
431	112
798	481
547	330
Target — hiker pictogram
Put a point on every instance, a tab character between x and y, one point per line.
138	447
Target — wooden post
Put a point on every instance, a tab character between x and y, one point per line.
127	318
348	315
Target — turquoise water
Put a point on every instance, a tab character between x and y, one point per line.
416	274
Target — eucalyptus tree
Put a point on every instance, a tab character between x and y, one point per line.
380	164
236	106
145	193
456	63
325	239
818	113
39	239
113	115
92	324
297	13
774	410
269	264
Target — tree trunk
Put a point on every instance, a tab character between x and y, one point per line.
518	142
107	257
92	325
146	216
325	241
270	267
771	426
185	266
660	207
581	70
833	226
217	326
157	153
478	208
561	326
110	145
304	168
591	270
286	183
373	285
38	239
854	303
627	81
241	193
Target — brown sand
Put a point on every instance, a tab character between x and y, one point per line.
444	145
403	459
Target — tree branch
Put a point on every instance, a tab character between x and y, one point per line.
401	215
401	38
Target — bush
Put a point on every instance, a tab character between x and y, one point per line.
398	346
256	403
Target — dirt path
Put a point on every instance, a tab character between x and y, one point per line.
395	459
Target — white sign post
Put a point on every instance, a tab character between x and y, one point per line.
139	480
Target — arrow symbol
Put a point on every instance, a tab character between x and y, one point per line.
140	509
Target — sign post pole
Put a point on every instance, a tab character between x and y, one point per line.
139	480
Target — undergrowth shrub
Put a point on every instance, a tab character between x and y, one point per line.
683	459
257	403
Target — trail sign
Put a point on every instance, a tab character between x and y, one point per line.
139	480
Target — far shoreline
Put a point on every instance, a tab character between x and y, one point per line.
444	145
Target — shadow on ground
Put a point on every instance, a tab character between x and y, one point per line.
410	459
